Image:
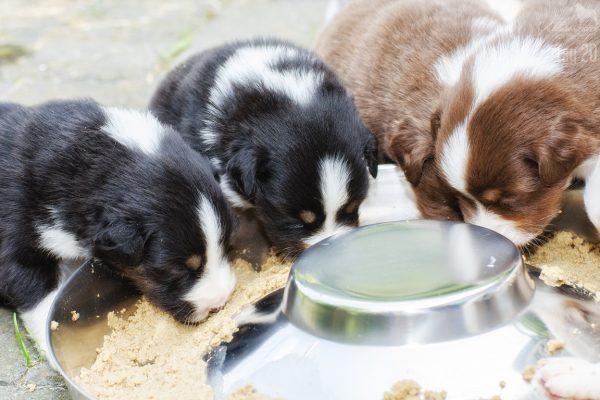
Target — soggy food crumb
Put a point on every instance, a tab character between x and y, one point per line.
432	395
74	315
407	389
54	325
149	355
567	259
528	373
554	346
247	393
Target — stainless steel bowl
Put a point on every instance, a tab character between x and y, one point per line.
407	282
489	334
447	304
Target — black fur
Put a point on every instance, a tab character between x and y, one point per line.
269	146
136	212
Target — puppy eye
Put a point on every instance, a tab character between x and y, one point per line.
507	200
194	262
351	207
308	217
491	195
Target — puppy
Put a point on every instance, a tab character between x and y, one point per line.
80	180
523	118
282	131
391	55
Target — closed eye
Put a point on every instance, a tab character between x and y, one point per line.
351	207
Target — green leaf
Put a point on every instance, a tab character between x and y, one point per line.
20	341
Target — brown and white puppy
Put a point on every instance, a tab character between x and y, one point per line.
523	119
396	57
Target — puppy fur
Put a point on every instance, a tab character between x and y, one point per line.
391	55
79	180
282	131
523	120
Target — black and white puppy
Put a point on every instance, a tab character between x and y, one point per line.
81	180
283	132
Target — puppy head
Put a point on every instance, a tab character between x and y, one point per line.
510	155
166	226
308	179
413	148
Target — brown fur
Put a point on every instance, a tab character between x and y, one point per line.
527	138
385	52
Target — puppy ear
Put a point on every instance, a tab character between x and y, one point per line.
119	242
411	146
371	155
562	151
246	167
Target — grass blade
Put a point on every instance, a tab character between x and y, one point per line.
20	341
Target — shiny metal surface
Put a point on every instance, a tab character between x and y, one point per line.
92	291
281	360
407	282
278	358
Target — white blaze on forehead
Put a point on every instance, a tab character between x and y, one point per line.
455	158
217	281
497	64
58	241
135	130
255	66
334	176
494	65
503	226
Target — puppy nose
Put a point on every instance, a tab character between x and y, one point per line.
215	309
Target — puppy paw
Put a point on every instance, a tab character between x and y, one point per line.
571	378
37	323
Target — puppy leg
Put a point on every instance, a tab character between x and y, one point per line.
591	196
571	378
31	290
36	321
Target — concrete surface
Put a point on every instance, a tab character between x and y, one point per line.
115	51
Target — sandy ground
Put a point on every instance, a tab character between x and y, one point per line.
116	51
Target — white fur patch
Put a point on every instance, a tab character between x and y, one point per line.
449	67
488	219
217	282
135	130
571	378
335	176
58	241
455	158
37	323
234	198
507	9
496	65
255	66
591	193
